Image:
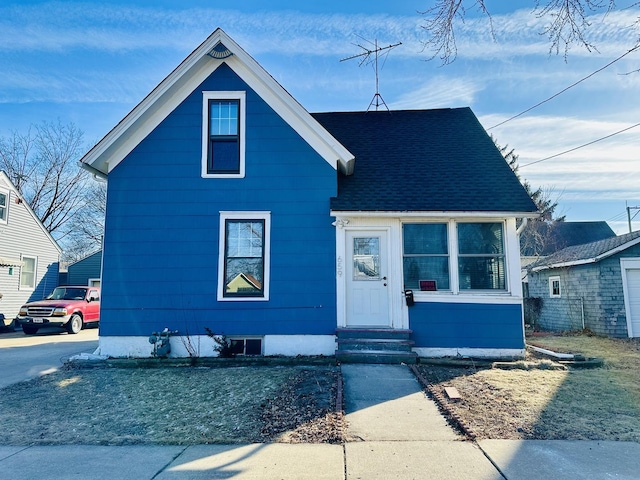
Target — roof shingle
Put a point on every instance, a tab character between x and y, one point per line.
423	161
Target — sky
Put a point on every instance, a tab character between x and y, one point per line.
90	62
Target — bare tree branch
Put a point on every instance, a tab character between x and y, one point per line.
568	23
43	165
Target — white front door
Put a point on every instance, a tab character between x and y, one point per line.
367	291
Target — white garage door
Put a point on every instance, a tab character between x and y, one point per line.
631	283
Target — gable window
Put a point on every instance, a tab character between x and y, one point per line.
4	207
244	256
554	287
425	256
223	134
28	273
481	258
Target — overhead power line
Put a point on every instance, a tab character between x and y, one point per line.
581	146
567	88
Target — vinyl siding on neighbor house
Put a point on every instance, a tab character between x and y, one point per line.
162	228
22	236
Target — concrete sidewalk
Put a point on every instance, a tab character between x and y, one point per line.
397	432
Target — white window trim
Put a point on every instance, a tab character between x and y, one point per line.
223	95
4	221
454	277
552	279
266	217
35	273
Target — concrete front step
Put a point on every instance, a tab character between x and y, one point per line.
375	356
385	344
374	345
386	333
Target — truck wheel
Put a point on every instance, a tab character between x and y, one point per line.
29	330
74	325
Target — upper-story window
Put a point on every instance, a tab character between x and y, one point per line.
223	134
4	207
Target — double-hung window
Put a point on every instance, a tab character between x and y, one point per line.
223	134
243	272
554	287
481	256
4	206
425	256
28	273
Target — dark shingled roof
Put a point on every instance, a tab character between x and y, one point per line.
587	253
422	160
560	235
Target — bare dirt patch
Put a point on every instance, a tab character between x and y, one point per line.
179	405
595	404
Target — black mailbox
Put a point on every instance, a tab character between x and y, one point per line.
408	297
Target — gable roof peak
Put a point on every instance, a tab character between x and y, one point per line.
219	48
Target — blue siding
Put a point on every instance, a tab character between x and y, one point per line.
161	241
81	271
466	325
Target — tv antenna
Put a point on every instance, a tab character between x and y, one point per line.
365	58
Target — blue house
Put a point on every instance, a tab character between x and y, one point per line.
85	271
230	207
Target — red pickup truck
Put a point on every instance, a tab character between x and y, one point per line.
70	307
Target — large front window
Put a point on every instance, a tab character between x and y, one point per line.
244	256
481	259
454	256
425	256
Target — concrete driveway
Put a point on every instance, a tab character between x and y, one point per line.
27	356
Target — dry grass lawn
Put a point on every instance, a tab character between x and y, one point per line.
179	405
597	404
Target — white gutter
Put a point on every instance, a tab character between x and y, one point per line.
525	220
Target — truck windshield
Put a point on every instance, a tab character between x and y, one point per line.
64	293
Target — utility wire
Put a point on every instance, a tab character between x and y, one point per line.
581	146
567	88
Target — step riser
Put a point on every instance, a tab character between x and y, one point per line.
374	334
364	357
355	344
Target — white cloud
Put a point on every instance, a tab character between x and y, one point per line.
439	93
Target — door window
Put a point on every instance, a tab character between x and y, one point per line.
366	258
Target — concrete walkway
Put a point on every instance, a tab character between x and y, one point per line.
397	433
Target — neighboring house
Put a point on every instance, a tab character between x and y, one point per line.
230	207
29	256
594	286
547	238
85	271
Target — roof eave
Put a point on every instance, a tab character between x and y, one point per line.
433	214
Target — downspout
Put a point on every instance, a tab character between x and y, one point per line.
525	220
582	310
